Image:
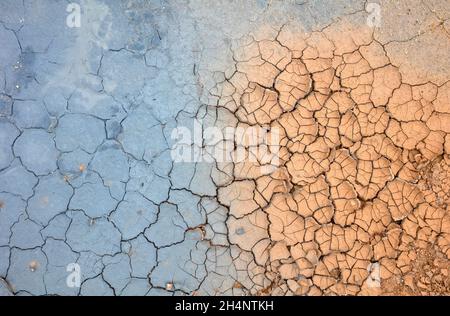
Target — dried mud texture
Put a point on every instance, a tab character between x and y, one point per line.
87	177
363	188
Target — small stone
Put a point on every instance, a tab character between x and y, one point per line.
169	286
33	266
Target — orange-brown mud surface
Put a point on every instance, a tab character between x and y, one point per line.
360	201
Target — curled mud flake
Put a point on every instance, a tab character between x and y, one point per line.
259	105
330	137
342	168
299	125
409	170
407	134
323	281
303	169
332	274
388	269
439	122
349	129
346	272
293	84
341	101
279	251
373	148
345	201
286	224
372	176
313	102
374	217
321	152
432	146
325	81
372	120
277	182
306	256
288	271
401	198
301	287
387	245
332	237
435	218
410	226
314	200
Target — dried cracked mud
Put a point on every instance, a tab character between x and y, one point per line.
351	198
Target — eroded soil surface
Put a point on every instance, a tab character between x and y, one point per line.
352	199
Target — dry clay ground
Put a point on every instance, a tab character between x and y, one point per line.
363	189
359	203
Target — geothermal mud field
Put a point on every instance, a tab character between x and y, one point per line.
224	148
